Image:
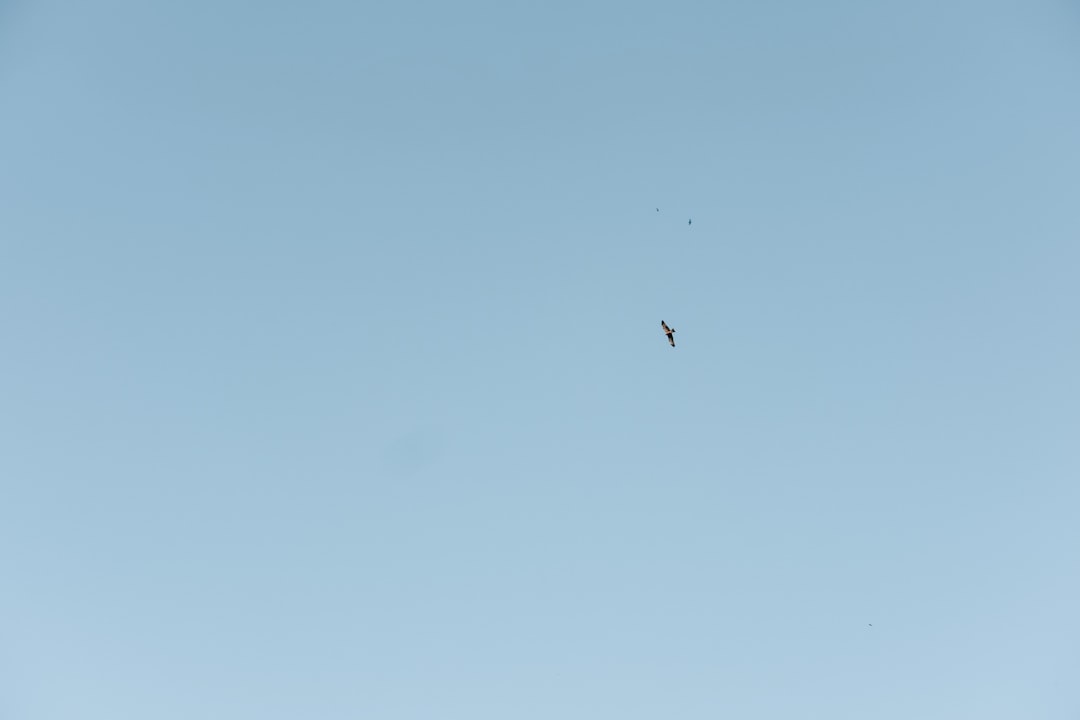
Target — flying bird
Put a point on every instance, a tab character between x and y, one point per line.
690	221
669	331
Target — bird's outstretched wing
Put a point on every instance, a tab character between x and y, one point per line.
664	325
671	339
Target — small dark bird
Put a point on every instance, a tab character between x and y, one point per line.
870	624
657	209
690	221
669	331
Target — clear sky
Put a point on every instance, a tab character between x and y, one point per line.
332	383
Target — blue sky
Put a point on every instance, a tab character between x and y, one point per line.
332	381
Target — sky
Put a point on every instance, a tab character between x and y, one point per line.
332	382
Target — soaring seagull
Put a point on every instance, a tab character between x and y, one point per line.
670	332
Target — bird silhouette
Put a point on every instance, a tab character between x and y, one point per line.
669	331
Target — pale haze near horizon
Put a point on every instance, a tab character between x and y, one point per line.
333	383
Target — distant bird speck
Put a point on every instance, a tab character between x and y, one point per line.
657	209
669	331
690	221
